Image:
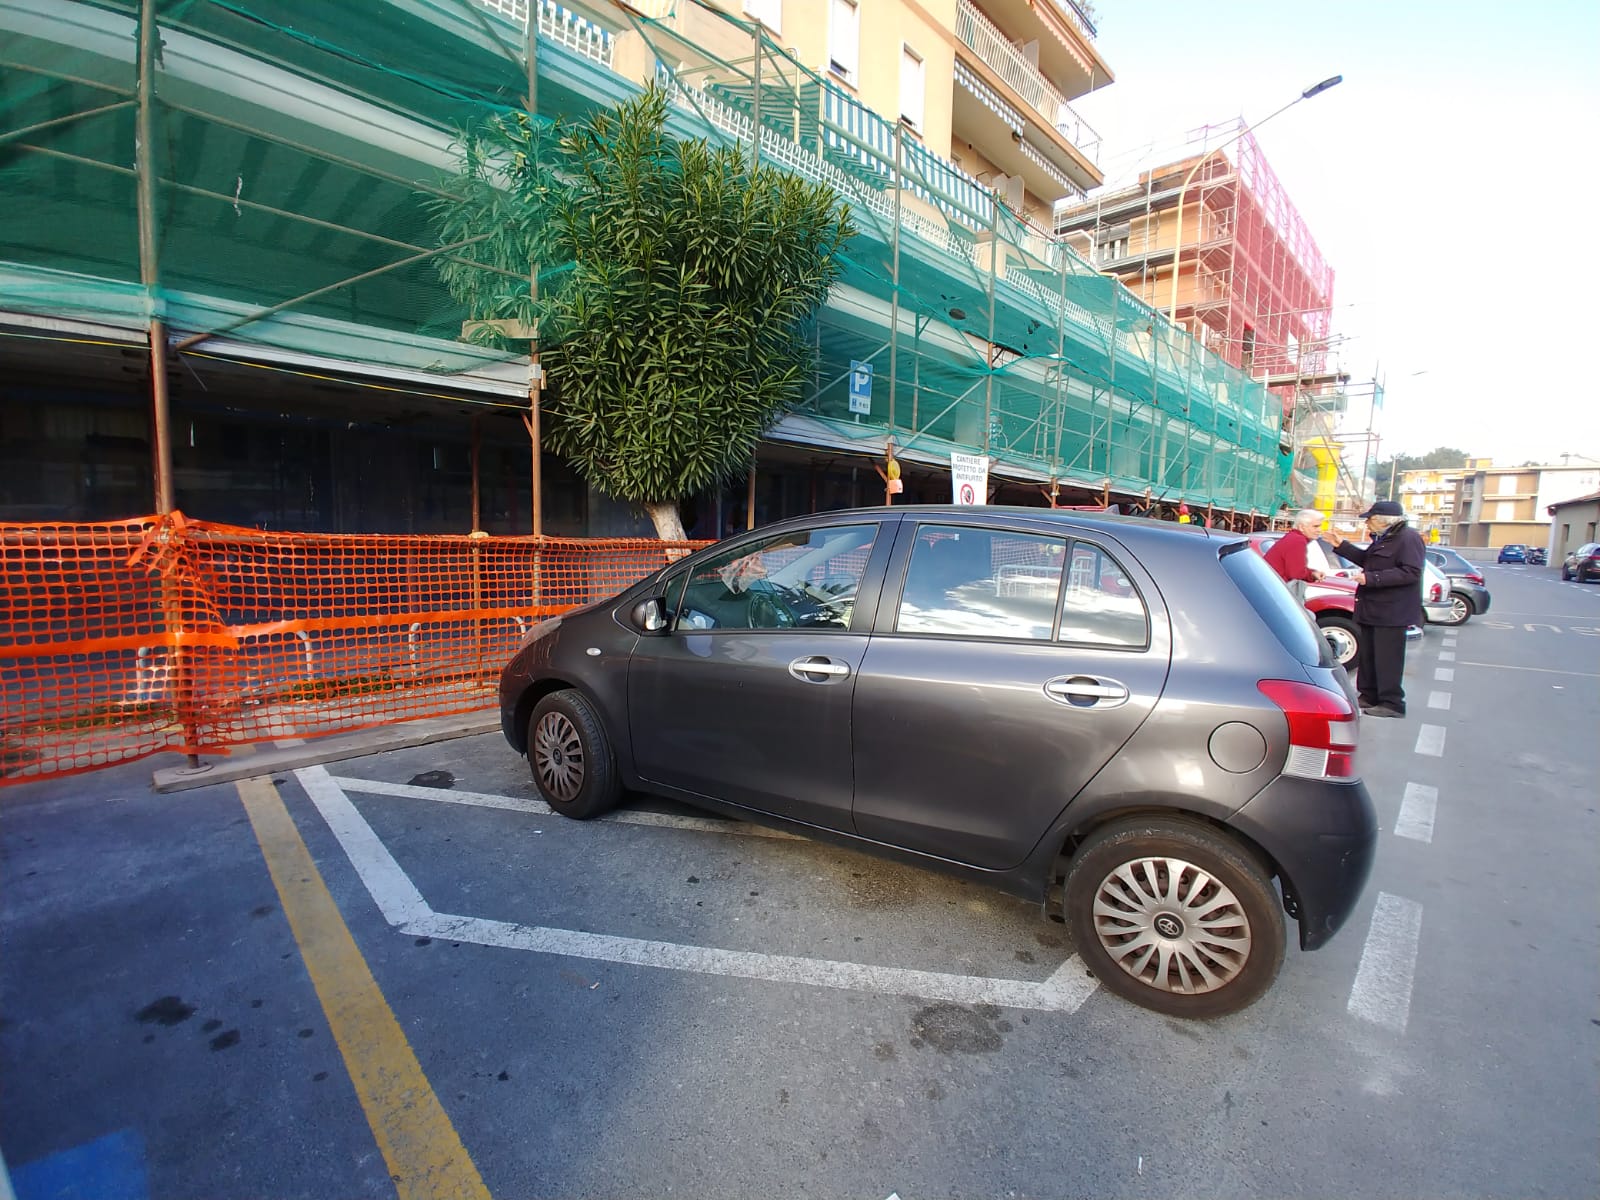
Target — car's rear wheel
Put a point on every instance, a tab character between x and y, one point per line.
571	758
1174	916
1460	610
1343	638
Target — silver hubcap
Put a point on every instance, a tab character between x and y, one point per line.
1343	643
558	756
1172	925
1458	609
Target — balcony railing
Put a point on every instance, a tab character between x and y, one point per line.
979	35
1074	12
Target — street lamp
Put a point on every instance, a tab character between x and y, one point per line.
1315	89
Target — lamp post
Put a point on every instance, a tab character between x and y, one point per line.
1315	89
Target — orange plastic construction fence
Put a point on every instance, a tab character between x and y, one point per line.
123	639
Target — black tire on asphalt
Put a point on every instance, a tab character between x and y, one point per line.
1200	848
1347	628
571	758
1460	609
1566	575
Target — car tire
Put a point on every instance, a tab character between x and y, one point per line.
1566	575
1135	923
570	756
1343	638
1460	610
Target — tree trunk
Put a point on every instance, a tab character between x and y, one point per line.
669	526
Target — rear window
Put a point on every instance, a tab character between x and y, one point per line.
1275	606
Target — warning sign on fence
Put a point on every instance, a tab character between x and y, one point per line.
969	478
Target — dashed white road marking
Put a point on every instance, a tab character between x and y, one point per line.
403	906
1416	812
1444	674
1430	740
1447	656
1382	990
1438	699
1540	670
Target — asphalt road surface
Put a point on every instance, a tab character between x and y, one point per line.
398	976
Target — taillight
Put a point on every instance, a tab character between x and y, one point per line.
1435	594
1322	729
1475	577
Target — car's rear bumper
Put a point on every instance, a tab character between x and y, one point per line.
1323	836
1476	592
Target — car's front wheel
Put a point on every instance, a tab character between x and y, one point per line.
1175	916
1460	610
1566	575
571	758
1343	637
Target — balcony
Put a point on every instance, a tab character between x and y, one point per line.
1071	143
1079	18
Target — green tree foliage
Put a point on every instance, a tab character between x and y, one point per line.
676	288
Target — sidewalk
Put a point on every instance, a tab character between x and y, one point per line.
287	756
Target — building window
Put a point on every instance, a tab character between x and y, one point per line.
768	12
912	88
844	39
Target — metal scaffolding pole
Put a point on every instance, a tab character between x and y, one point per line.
989	356
149	260
535	368
894	274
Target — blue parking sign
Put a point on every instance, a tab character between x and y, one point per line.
861	388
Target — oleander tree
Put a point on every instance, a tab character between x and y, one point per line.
677	286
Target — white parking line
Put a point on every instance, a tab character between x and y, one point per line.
1445	674
1438	699
1430	740
403	907
1382	990
1416	812
540	808
1447	656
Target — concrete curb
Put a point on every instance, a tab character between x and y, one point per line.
276	758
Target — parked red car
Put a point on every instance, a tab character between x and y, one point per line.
1332	603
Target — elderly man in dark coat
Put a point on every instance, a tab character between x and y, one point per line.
1388	598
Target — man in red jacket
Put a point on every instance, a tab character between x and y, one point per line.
1288	554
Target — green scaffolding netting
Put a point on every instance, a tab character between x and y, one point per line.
295	146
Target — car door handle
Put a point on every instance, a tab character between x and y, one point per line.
1086	690
805	669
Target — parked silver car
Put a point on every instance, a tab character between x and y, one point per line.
1129	721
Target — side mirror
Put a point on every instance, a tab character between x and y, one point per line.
650	616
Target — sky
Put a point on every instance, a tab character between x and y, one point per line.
1452	181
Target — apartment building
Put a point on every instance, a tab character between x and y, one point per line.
984	84
1498	506
1247	280
219	268
1429	497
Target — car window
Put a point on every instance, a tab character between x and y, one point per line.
803	579
1100	605
982	583
1272	601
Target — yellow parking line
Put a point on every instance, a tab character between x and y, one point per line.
425	1156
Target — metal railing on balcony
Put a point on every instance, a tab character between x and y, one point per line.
561	25
1080	19
978	34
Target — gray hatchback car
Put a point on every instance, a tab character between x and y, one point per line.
1127	720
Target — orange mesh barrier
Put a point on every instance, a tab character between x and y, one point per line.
123	639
